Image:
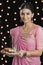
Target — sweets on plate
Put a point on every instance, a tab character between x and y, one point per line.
9	50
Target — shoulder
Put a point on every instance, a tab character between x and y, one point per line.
14	30
38	26
39	30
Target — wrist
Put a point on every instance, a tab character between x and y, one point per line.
28	53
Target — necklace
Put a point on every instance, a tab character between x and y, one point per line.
26	32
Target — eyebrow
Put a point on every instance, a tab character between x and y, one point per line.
26	12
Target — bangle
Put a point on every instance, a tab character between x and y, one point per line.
28	53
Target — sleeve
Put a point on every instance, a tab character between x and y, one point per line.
14	35
39	39
12	32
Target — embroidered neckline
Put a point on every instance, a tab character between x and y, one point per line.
24	37
28	32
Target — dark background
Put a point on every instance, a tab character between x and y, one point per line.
9	18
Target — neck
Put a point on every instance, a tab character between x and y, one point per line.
28	24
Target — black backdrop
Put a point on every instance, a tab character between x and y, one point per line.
9	18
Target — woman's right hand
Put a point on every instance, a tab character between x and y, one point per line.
10	54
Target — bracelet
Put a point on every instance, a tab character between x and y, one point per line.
28	53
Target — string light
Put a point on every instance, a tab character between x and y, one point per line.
37	7
41	0
42	9
15	24
7	1
2	46
0	16
6	20
3	55
41	18
38	14
24	0
1	27
1	33
2	64
15	12
4	37
5	61
1	58
14	18
7	31
1	10
8	7
0	3
34	19
14	2
7	13
7	25
36	2
19	8
5	43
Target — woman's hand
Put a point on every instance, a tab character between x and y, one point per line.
28	54
21	53
11	54
34	53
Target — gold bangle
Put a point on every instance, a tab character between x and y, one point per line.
28	54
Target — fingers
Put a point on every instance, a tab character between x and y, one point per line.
10	54
21	53
28	59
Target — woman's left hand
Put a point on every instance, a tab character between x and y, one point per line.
21	53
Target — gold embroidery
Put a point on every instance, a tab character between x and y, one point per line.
26	33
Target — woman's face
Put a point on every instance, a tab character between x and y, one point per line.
26	15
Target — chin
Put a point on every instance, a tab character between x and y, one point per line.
25	22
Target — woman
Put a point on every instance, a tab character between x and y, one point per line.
27	39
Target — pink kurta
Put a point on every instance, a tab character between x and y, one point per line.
34	41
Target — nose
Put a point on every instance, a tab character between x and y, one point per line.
25	16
